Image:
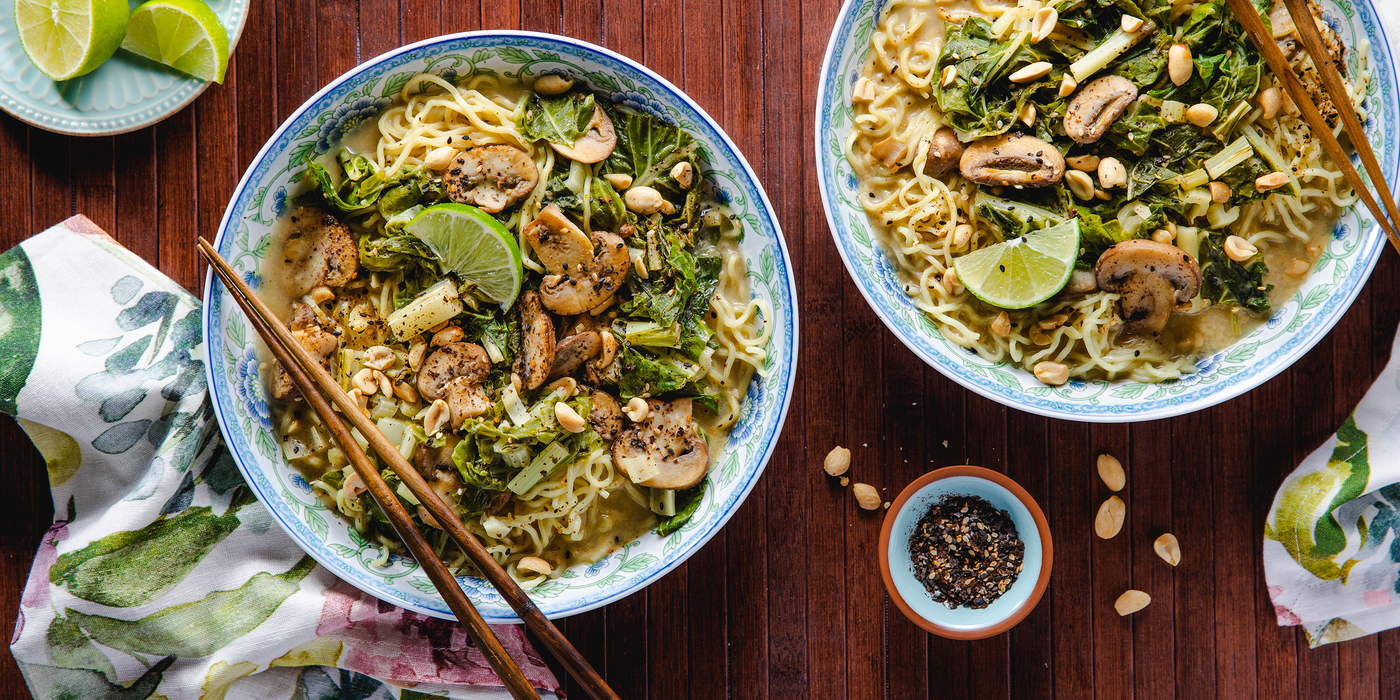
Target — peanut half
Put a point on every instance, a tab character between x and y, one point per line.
838	460
1109	521
1111	471
1131	601
1168	549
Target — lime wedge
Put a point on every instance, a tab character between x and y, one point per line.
1023	271
68	38
473	245
183	34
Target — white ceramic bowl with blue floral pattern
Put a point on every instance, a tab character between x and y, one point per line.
239	397
1294	328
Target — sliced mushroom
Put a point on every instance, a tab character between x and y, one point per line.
573	351
1097	106
536	342
427	459
666	451
596	143
606	416
448	363
1013	159
582	277
1152	278
491	177
944	152
319	250
466	399
313	338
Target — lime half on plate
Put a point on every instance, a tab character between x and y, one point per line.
183	34
1023	271
68	38
472	244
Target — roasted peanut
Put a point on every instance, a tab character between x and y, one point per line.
837	461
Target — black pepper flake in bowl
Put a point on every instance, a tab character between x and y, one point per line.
966	551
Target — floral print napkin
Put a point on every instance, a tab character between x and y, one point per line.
163	577
1332	540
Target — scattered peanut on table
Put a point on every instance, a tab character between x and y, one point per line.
1111	471
838	460
866	496
1109	520
1131	601
1168	548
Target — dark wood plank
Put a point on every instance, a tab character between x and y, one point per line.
296	77
905	413
1071	515
946	445
421	19
177	216
1194	585
136	225
1276	671
1027	445
865	593
1237	507
1150	490
1317	668
1113	564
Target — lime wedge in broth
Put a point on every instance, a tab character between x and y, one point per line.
474	246
183	34
68	38
1023	271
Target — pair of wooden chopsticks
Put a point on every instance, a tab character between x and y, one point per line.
308	375
1249	18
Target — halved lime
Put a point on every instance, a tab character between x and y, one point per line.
68	38
473	245
183	34
1023	271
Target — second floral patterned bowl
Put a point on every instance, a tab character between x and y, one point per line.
277	174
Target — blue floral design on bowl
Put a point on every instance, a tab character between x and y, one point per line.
641	103
346	119
279	202
249	388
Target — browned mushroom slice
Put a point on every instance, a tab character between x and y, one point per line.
944	152
595	144
428	459
1151	278
310	336
573	351
584	273
319	250
536	356
1097	106
448	363
1012	160
665	451
606	416
491	177
1081	282
466	399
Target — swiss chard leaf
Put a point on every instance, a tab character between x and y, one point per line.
646	375
979	102
558	120
1226	282
647	147
687	502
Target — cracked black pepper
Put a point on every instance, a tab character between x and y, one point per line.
966	552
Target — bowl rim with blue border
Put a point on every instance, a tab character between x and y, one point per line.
896	565
238	394
1295	327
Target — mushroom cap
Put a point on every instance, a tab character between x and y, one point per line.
595	144
1012	159
669	442
606	416
318	250
945	151
1097	106
584	273
537	349
1151	278
448	363
491	177
573	351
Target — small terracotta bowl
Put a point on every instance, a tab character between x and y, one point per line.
914	600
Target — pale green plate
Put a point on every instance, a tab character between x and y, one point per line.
125	94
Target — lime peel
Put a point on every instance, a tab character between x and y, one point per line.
1023	271
473	245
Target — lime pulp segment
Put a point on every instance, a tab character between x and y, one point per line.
474	246
1023	271
183	34
65	39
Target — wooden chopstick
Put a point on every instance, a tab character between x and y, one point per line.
1248	18
501	662
535	620
1332	81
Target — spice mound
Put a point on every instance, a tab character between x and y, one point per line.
966	552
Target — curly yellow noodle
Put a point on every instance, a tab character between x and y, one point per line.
917	215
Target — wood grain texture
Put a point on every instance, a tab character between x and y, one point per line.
787	601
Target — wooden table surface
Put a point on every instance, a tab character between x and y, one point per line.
787	600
